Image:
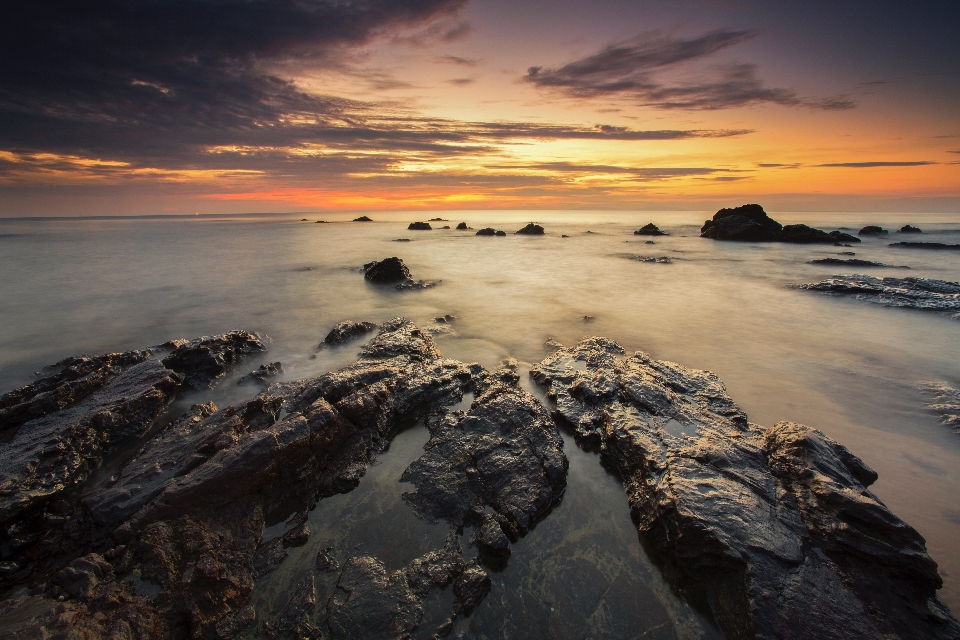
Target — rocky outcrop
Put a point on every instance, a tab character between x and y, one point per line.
854	262
747	223
916	293
802	234
262	374
203	361
346	331
909	229
386	271
462	226
419	226
532	229
362	219
937	246
649	230
773	529
490	231
872	230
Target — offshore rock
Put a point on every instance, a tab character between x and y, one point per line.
916	293
855	262
940	246
872	230
462	226
415	285
386	271
203	361
773	529
747	223
262	374
802	234
532	229
909	229
419	226
490	231
346	331
362	219
649	230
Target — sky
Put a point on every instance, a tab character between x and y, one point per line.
131	107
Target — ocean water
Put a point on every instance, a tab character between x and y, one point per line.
851	369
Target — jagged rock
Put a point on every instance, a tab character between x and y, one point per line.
490	539
203	361
504	453
649	230
872	230
926	245
268	557
436	569
445	319
802	234
486	231
462	226
916	293
909	229
362	219
471	587
747	223
262	374
57	451
532	229
346	331
295	620
855	263
370	603
83	575
419	226
386	271
297	536
773	529
325	561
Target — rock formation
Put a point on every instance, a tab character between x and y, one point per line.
916	293
909	229
649	230
937	246
872	230
348	330
854	262
386	271
750	223
203	361
532	229
362	219
419	226
462	226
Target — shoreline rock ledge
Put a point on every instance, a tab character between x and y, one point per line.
773	529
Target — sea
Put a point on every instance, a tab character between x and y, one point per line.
859	372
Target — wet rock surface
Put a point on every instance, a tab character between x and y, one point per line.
386	271
915	293
773	529
532	229
854	262
747	223
649	229
263	374
348	330
203	361
640	258
936	246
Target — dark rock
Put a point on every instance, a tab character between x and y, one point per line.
445	319
297	536
370	603
802	234
872	230
414	285
462	226
471	587
940	246
262	374
268	557
386	271
843	237
203	361
486	231
438	220
532	229
436	569
909	229
303	220
446	226
649	242
325	561
916	293
500	233
661	259
588	318
649	230
491	541
295	621
402	240
853	262
362	219
419	226
564	236
846	253
772	529
747	223
83	575
321	222
348	330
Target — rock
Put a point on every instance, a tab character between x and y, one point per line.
661	259
346	331
471	587
203	361
402	240
491	541
446	226
445	319
419	226
370	603
772	529
83	575
462	226
853	262
940	246
909	229
268	557
57	451
747	223
846	253
436	569
297	536
321	222
588	318
386	271
649	230
438	220
649	242
303	220
325	561
414	285
486	231
295	621
802	234
564	236
532	229
916	293
362	219
501	233
263	374
872	230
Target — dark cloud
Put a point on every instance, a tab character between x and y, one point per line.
460	82
636	69
463	62
646	173
777	165
953	151
868	165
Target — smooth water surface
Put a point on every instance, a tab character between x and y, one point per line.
848	368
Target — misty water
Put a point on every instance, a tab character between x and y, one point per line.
854	370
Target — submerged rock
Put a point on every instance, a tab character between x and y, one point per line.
872	230
262	374
203	361
346	331
532	229
854	262
773	529
916	293
661	259
747	223
414	285
419	226
909	229
649	230
386	271
940	246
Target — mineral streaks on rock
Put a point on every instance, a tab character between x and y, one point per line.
916	293
774	529
203	361
57	451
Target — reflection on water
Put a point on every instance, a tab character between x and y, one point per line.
850	369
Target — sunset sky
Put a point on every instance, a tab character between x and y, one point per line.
181	106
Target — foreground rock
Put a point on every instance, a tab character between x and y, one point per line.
916	293
386	271
855	262
750	223
348	330
872	230
939	246
649	230
773	529
203	361
532	229
419	226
